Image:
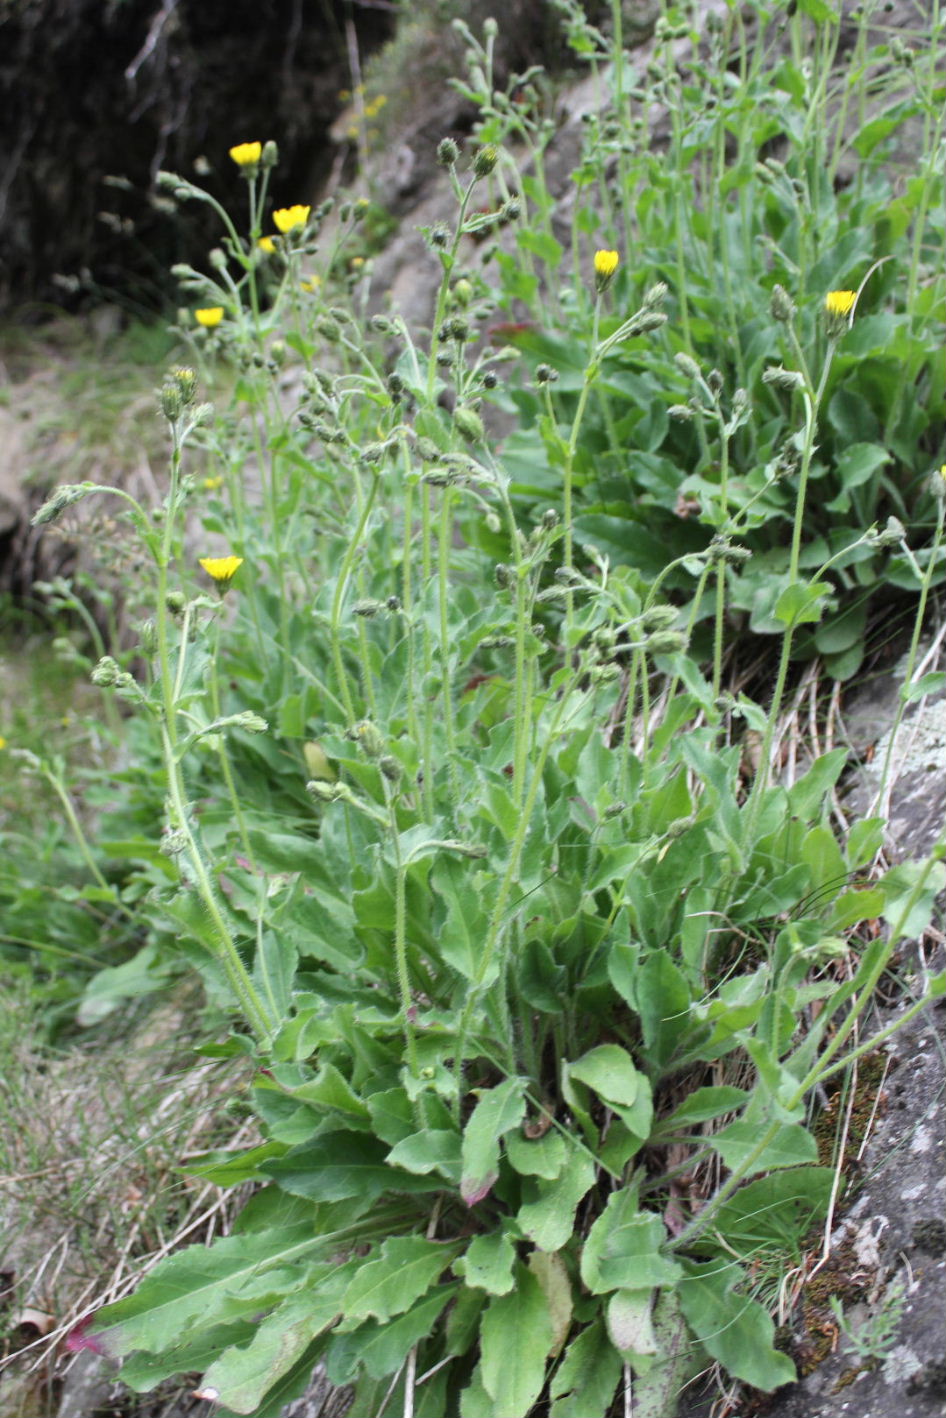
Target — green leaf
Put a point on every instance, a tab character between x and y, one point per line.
610	1072
330	1089
775	1212
631	1329
864	841
547	1216
732	1328
790	1146
543	1156
584	1383
336	1165
910	892
204	1286
552	1274
822	855
243	1376
819	11
656	1392
926	684
806	796
541	244
193	1353
623	1249
429	1150
498	1111
488	1263
703	1104
802	602
516	1336
384	1347
663	1001
852	907
461	934
390	1284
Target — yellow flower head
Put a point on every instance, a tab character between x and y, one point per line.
606	263
247	154
209	317
3	743
310	284
221	568
211	484
839	302
288	218
267	244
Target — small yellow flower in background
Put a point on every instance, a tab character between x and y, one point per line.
288	218
606	263
209	317
222	569
247	154
211	484
267	244
357	262
310	284
838	310
839	302
3	743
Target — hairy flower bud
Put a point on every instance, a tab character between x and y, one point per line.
447	152
485	160
781	305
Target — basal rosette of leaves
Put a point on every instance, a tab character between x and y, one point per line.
545	1230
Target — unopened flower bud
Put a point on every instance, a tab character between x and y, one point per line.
148	638
447	152
893	534
783	378
781	305
369	737
545	374
503	574
485	160
687	365
270	156
106	673
389	767
469	423
666	642
427	450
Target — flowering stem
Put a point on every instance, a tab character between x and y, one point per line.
341	586
222	748
443	576
400	953
590	375
812	400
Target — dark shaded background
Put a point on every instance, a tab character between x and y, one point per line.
94	90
